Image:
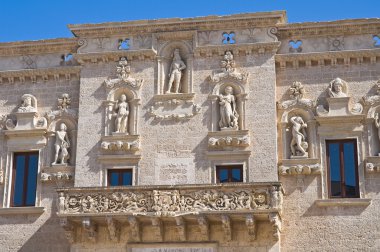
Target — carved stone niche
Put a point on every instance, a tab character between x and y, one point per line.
123	100
298	134
62	133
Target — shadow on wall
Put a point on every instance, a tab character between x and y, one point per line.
49	237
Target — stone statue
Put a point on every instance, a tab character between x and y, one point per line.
121	113
61	145
377	123
228	114
27	104
175	73
335	89
298	144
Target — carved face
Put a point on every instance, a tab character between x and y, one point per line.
123	98
27	101
176	55
63	127
338	85
228	90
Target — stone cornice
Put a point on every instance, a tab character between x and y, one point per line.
56	73
62	45
327	58
333	28
145	54
178	24
237	49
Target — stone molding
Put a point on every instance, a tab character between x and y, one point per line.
104	57
62	45
21	210
228	139
308	166
331	58
45	74
179	24
59	174
320	29
120	143
237	49
344	202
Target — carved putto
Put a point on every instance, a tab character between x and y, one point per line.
64	102
228	70
29	104
121	113
175	73
228	112
123	71
296	90
298	145
337	88
61	146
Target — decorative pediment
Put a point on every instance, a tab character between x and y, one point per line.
124	77
296	92
228	70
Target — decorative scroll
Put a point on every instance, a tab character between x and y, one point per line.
168	202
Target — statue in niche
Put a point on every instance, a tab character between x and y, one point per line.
298	144
27	104
228	115
335	89
175	72
61	146
121	113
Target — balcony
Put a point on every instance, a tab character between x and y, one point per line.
170	213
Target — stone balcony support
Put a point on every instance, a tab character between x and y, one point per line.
170	213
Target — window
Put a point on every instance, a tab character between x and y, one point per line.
24	179
120	177
229	173
342	168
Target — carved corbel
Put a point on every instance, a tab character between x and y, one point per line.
226	225
134	226
159	227
113	229
275	220
90	229
204	227
69	229
250	222
181	228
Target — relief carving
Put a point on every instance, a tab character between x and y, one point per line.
237	141
337	88
296	93
228	70
166	203
120	146
29	104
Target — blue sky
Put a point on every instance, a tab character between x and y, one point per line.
42	19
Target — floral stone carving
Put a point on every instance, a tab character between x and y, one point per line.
228	70
228	139
120	143
123	71
170	202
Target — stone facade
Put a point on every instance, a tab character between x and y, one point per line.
172	100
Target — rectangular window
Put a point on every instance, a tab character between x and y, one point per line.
120	177
229	173
24	179
342	168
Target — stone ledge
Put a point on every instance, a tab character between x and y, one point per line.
353	202
22	210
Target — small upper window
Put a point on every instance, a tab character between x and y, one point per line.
342	168
229	38
229	173
120	177
124	44
24	179
376	40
